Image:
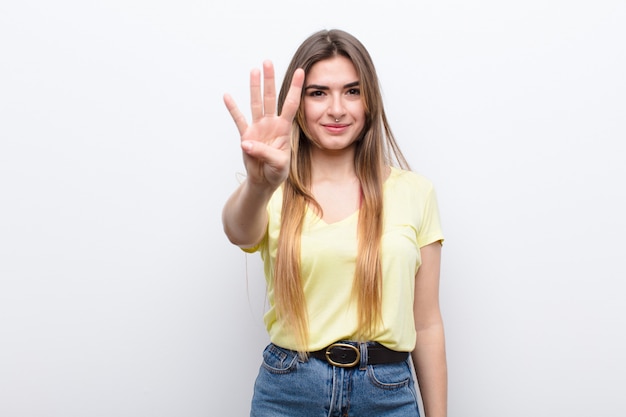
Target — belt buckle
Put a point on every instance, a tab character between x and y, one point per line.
340	364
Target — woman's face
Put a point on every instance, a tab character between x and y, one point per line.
333	109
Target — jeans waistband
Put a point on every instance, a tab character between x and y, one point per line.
347	354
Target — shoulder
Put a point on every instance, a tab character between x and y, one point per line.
404	181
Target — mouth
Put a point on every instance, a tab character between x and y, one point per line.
335	127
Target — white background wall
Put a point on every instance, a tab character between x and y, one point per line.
120	295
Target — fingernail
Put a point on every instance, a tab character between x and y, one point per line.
247	145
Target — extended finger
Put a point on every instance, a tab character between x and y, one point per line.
292	101
238	117
269	89
256	104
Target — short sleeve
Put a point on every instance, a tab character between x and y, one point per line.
430	230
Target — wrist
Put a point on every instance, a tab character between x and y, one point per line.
260	191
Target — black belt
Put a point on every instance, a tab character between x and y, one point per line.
347	355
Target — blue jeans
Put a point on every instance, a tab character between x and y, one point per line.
290	387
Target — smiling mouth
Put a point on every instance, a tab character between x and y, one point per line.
336	129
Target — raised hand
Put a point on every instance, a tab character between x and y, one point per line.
266	141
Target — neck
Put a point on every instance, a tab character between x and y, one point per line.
335	166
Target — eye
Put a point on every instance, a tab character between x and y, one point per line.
316	93
354	92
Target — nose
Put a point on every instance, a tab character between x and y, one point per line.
336	108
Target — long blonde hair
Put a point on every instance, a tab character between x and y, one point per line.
375	150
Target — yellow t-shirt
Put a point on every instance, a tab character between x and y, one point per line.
328	256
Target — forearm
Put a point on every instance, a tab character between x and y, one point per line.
245	216
429	358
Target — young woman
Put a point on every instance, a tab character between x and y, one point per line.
350	239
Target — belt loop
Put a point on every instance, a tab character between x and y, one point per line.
364	359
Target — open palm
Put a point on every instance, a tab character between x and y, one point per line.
266	142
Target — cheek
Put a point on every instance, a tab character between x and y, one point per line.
358	110
311	111
311	115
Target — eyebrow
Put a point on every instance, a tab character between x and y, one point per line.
323	87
